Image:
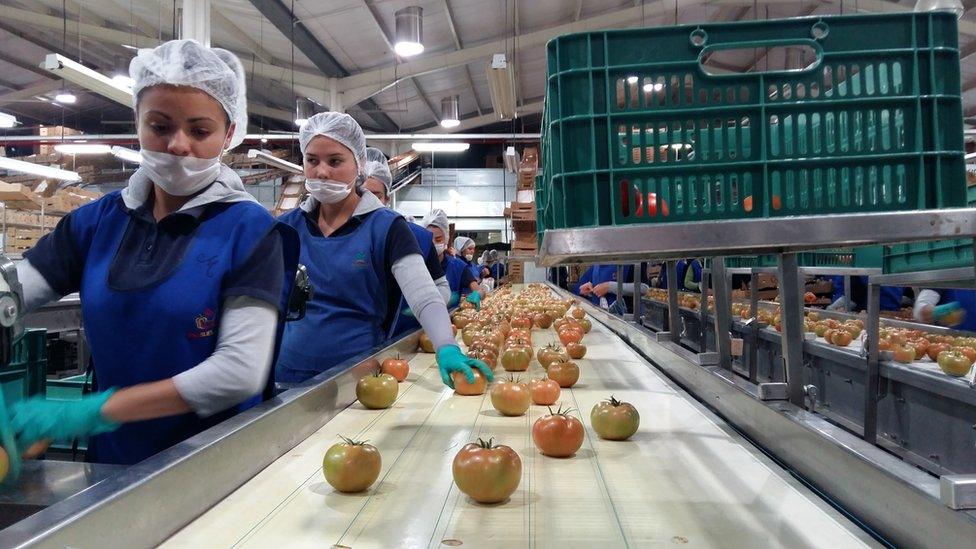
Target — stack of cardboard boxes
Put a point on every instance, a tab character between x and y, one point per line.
522	209
26	215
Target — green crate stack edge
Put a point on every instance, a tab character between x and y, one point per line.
933	255
26	373
863	257
636	132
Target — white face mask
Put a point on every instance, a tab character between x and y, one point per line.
469	257
180	175
327	191
440	248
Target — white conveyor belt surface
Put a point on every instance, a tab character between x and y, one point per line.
685	478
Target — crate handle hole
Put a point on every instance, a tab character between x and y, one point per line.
698	37
820	30
792	57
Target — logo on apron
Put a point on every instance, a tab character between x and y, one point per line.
360	262
205	323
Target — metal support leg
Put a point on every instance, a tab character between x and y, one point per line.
791	313
674	315
702	336
638	294
723	314
848	304
872	386
753	327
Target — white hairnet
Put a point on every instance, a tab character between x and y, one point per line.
437	218
339	127
374	154
462	242
215	71
379	171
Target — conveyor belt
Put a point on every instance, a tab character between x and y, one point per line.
684	478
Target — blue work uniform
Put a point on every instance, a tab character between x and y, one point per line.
598	274
497	271
458	274
890	295
425	240
967	301
356	296
152	293
681	267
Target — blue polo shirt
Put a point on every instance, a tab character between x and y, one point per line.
151	251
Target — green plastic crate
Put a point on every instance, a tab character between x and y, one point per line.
24	376
930	256
874	124
865	257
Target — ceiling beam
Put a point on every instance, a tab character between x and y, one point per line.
284	20
579	10
476	121
451	25
23	65
426	101
137	23
221	21
474	91
39	88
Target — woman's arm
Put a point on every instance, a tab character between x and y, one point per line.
37	292
423	299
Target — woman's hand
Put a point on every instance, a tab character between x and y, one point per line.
602	289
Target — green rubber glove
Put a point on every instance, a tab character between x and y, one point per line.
455	299
475	297
450	359
38	419
942	313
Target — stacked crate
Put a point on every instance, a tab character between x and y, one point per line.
26	216
522	209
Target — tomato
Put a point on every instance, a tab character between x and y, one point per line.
549	354
614	420
954	363
747	203
934	350
885	345
559	323
566	374
586	324
969	352
483	355
558	434
487	473
855	331
522	323
516	359
576	350
543	320
545	392
842	338
578	313
921	347
809	297
510	397
570	333
426	345
396	367
462	387
377	391
820	329
905	355
351	466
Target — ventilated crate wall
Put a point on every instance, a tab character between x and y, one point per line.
637	132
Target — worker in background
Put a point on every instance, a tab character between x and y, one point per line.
599	284
183	275
361	257
689	272
458	275
378	181
496	269
891	297
464	247
951	308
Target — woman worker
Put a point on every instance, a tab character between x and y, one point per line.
361	257
464	248
183	275
378	181
951	308
458	275
599	284
496	269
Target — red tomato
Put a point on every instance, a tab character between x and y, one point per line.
396	367
558	434
487	473
545	392
566	374
570	333
462	387
576	351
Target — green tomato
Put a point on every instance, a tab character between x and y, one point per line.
614	420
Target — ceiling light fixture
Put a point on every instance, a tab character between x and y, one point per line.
449	112
82	148
501	85
126	154
37	169
303	111
87	78
66	98
409	31
273	160
440	147
7	120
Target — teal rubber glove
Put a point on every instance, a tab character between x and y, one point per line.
450	359
941	313
475	297
455	299
39	419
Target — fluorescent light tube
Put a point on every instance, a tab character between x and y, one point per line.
38	169
441	147
82	148
128	155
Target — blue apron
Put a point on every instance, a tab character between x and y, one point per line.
601	274
346	313
156	332
402	323
890	295
454	271
497	271
681	267
966	300
474	268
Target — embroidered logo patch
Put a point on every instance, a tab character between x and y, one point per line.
205	324
360	261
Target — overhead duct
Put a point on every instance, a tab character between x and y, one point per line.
501	85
